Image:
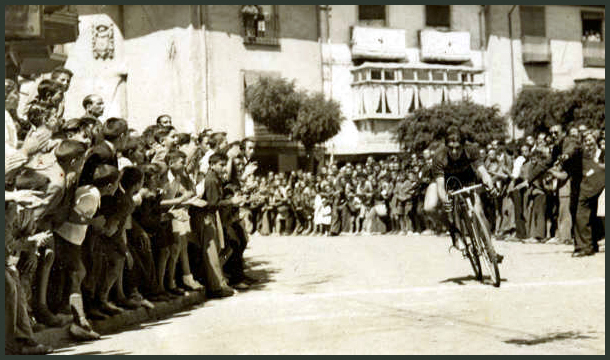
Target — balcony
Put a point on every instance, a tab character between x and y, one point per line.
444	46
378	43
594	53
536	50
385	93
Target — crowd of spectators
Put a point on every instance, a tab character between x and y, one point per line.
101	218
389	195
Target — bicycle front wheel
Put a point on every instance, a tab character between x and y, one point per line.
487	251
468	238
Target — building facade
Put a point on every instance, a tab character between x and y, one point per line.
384	61
381	62
194	62
551	46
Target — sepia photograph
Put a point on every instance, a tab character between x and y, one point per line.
304	179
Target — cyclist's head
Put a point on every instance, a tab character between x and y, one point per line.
453	141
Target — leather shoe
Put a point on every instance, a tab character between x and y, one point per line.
128	303
583	253
223	292
110	308
96	314
46	317
241	286
147	304
38	349
82	334
176	291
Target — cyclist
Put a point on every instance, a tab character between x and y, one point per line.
462	161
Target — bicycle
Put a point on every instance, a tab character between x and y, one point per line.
471	229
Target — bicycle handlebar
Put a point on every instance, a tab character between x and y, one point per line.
466	189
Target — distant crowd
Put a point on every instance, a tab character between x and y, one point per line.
101	218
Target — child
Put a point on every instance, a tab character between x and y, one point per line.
325	215
204	224
178	189
70	234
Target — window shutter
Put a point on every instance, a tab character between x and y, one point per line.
532	21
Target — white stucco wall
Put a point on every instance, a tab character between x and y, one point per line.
229	58
563	28
95	76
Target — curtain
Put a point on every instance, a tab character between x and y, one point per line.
430	95
372	98
455	93
425	95
391	96
406	98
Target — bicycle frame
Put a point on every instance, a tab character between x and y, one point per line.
474	233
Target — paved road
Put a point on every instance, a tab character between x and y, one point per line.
388	295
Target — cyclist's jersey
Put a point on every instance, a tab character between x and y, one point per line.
463	168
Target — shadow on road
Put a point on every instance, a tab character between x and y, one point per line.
463	280
568	335
109	352
258	269
460	280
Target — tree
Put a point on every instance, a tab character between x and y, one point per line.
273	102
537	110
478	123
310	119
589	101
317	121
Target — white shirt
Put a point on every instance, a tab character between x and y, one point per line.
519	161
87	201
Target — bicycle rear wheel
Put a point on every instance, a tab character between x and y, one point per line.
487	251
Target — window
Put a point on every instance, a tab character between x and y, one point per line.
438	76
388	75
423	75
375	74
373	15
532	21
438	15
260	24
592	25
593	45
408	74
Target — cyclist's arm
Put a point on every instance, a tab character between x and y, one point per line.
442	191
485	177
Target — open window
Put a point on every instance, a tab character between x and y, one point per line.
260	24
592	26
372	15
438	16
593	45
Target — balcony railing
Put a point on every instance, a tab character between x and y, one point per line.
392	91
594	53
444	46
536	50
378	43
